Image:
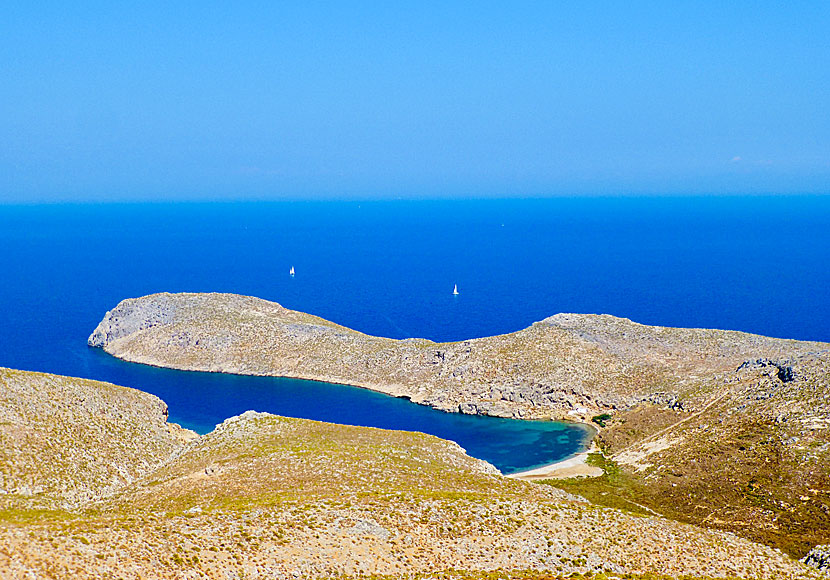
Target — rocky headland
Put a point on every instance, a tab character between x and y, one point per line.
720	428
97	484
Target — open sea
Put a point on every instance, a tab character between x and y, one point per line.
757	264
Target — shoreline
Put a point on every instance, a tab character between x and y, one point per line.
579	416
573	417
215	332
575	466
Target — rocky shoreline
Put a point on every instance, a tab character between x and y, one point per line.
568	366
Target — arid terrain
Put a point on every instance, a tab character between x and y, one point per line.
720	428
96	484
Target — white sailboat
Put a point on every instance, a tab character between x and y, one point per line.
291	271
455	290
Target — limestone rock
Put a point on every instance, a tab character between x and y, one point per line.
819	557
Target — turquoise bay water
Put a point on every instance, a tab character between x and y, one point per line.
388	268
200	400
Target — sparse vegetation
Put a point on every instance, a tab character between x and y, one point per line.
264	496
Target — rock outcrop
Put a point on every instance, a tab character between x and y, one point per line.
819	557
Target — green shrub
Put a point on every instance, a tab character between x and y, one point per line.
601	419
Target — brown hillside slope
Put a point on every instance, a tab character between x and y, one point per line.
562	363
755	459
65	442
270	497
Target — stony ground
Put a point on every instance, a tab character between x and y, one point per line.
270	497
721	428
65	442
755	459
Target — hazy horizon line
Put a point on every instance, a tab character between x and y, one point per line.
387	199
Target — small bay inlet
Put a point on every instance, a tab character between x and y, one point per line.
199	401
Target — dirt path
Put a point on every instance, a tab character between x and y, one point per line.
665	430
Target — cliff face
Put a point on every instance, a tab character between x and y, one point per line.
721	428
270	497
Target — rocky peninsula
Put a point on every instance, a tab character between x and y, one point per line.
720	428
568	365
96	484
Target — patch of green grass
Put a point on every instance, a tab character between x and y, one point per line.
614	489
601	419
31	515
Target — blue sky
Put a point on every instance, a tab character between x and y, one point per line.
269	100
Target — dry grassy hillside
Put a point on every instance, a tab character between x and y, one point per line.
562	364
270	497
65	442
752	457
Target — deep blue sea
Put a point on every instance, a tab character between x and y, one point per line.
757	264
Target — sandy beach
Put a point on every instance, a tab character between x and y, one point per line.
575	466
